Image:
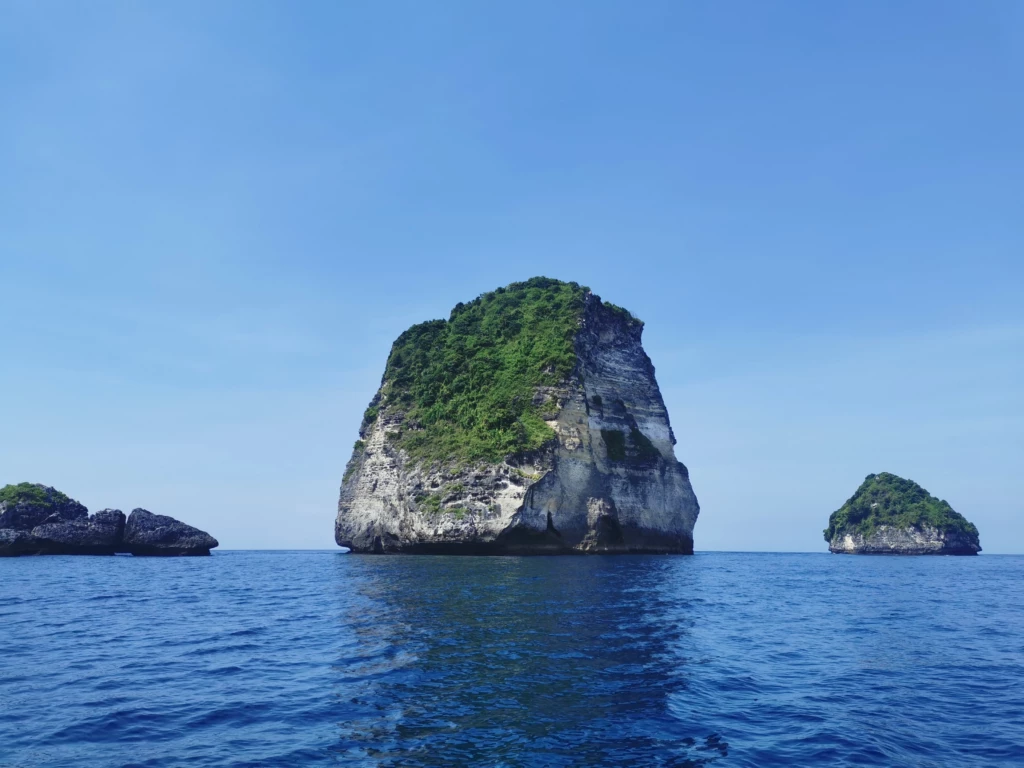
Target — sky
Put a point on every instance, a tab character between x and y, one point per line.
216	217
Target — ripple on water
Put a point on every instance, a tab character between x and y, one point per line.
307	658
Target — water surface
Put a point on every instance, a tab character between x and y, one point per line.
318	658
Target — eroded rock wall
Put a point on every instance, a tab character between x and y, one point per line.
609	482
889	540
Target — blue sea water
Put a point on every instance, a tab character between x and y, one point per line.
321	658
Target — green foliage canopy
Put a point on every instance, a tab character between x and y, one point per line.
463	388
32	493
886	499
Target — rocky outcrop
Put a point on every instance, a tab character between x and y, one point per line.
889	515
149	534
100	534
890	540
607	480
39	520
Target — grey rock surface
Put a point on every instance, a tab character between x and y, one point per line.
891	540
608	483
149	534
14	543
99	534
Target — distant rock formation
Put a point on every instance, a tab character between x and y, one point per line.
40	520
529	422
889	515
149	534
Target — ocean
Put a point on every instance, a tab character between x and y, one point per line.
322	658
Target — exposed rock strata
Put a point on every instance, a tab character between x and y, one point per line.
888	540
39	520
608	482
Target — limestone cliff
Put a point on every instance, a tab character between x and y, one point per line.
581	461
889	515
909	540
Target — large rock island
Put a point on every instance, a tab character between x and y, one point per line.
889	515
40	520
528	422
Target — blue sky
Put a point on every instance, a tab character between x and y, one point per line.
215	218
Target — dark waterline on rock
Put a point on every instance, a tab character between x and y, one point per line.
318	658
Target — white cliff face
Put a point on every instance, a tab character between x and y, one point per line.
610	482
891	540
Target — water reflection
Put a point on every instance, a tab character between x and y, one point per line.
517	661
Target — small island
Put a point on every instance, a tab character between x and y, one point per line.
528	422
889	515
39	520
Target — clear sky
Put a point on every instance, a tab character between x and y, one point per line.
215	218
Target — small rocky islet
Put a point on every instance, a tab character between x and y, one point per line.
890	515
528	422
39	520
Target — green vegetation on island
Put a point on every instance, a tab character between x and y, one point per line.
886	499
463	389
32	493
